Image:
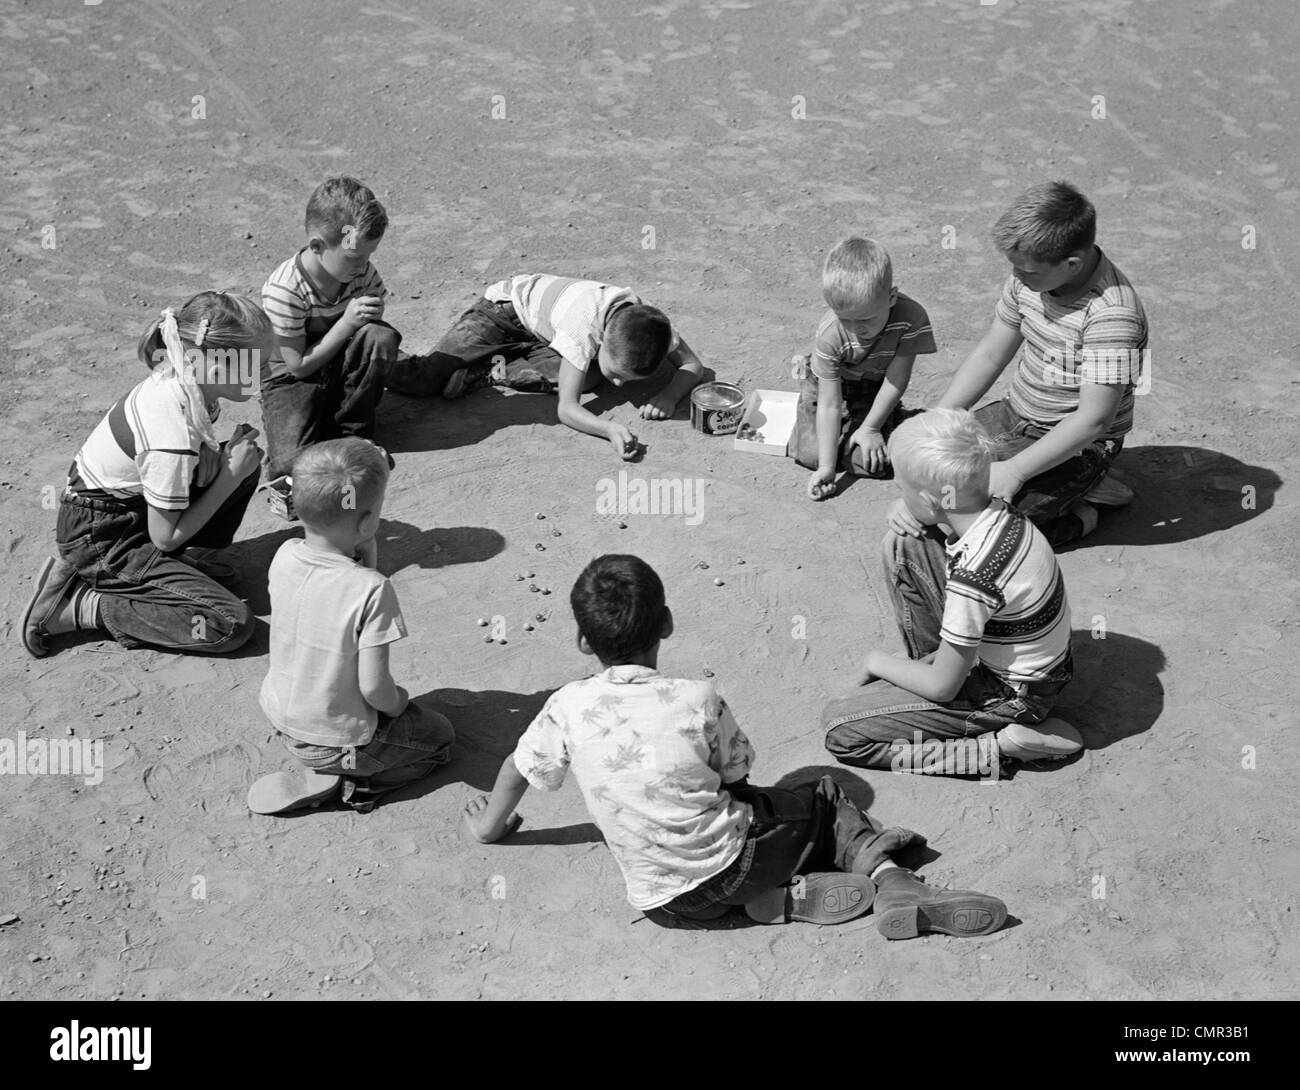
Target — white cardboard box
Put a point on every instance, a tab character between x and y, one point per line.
772	412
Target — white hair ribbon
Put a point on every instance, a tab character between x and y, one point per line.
180	371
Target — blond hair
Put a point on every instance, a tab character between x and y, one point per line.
337	480
855	270
943	449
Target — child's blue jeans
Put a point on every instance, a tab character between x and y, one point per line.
884	726
151	598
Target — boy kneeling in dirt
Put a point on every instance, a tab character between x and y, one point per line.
329	693
663	768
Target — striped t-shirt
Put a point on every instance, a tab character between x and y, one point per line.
1006	596
144	446
567	314
840	354
298	307
1097	335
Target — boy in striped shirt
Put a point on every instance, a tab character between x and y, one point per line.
851	388
1081	335
546	334
981	605
326	305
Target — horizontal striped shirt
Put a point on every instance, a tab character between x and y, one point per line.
567	314
1096	335
298	307
840	354
144	446
1006	596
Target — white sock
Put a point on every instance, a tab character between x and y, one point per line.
886	865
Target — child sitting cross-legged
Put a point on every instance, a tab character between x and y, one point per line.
981	605
663	768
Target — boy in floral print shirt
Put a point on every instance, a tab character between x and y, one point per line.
663	768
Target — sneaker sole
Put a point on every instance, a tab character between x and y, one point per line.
839	901
964	917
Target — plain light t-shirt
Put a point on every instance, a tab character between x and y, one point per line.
324	609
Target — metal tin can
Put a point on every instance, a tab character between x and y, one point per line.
716	408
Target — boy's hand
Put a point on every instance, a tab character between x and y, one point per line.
821	485
474	814
242	455
659	407
623	441
902	522
363	309
868	672
1005	481
875	455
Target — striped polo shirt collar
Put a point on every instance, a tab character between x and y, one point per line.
957	546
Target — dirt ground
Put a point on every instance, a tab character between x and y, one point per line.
917	116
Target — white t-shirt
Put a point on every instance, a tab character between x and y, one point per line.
567	314
652	756
324	609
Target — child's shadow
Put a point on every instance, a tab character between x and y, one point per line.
401	545
1116	691
488	725
1183	493
430	423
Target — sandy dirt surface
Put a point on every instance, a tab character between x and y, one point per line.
619	117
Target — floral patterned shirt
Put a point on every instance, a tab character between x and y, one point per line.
652	756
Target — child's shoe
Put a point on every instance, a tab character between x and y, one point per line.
54	582
907	907
281	792
1050	740
826	898
1110	491
1088	519
466	381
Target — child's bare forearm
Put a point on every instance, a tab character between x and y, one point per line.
583	420
919	676
890	393
509	789
828	429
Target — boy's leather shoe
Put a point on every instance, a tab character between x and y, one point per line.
907	907
1050	740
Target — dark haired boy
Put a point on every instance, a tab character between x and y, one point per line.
544	333
326	305
664	769
355	733
1081	334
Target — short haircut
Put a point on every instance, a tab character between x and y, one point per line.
618	602
336	480
855	270
338	202
1047	223
943	448
638	336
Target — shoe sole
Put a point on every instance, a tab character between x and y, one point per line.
845	898
40	651
963	917
283	792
